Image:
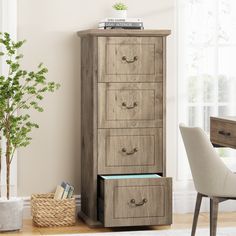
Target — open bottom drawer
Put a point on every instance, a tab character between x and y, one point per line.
129	200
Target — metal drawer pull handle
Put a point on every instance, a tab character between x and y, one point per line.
132	201
224	133
129	153
135	104
124	58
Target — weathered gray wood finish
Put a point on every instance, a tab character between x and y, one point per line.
123	119
130	59
127	105
196	213
214	204
89	128
223	131
123	33
136	202
123	151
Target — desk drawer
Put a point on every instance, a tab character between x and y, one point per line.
223	132
130	59
140	200
122	151
124	105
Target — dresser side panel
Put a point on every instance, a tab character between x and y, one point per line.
164	106
89	127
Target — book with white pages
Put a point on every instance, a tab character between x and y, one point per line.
121	20
59	192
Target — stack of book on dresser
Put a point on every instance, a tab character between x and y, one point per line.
121	23
64	191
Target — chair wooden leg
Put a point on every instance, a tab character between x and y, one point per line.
196	213
214	202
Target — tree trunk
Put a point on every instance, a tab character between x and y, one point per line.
8	157
8	170
0	165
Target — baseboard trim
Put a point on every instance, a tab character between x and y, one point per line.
27	206
183	202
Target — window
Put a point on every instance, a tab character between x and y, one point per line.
207	68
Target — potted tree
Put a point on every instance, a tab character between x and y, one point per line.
120	10
20	91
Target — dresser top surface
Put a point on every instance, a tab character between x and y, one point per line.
225	118
123	32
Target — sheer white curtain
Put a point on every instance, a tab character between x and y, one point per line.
207	67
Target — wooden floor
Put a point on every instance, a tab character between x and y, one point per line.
179	222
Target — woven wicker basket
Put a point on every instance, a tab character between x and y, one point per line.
47	212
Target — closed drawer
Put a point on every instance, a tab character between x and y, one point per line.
130	59
135	200
223	132
123	105
123	151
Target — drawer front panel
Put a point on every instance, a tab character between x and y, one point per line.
137	202
130	59
141	201
123	105
130	104
223	133
130	151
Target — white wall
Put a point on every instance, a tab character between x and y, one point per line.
49	27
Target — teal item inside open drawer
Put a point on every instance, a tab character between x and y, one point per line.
145	176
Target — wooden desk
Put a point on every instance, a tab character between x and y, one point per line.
223	131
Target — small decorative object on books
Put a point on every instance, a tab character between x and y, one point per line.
120	10
54	209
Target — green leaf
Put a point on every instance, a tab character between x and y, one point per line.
40	97
7	35
19	56
40	65
40	109
19	44
120	6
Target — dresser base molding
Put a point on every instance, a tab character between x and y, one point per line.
89	221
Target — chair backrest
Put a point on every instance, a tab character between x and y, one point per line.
208	170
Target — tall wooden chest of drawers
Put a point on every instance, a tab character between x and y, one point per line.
123	166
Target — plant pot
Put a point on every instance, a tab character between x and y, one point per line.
120	14
11	214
